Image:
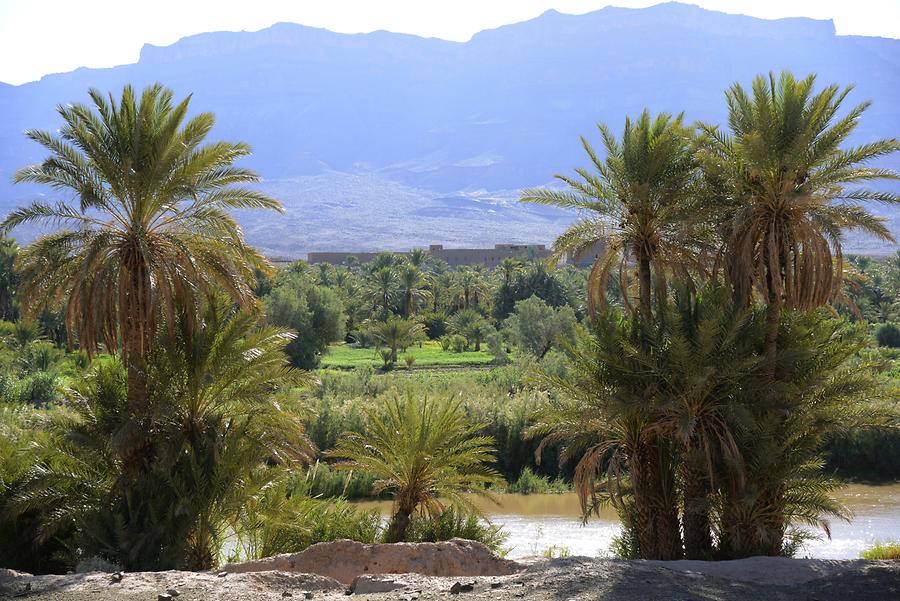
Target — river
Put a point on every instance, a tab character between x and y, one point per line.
535	522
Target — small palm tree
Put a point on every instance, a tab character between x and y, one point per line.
426	453
639	206
149	232
471	325
396	333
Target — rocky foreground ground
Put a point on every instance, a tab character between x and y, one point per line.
755	579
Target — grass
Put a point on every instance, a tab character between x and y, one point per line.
529	483
430	354
882	551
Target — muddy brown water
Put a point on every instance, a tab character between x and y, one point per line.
534	523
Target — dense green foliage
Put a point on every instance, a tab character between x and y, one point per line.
313	311
426	454
702	423
709	375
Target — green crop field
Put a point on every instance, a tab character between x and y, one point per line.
430	354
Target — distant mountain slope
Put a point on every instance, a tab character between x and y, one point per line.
415	120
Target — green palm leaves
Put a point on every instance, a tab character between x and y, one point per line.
396	333
637	202
148	231
792	188
426	453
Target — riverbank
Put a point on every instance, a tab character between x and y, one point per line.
773	579
538	522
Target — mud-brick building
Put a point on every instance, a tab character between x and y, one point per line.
489	257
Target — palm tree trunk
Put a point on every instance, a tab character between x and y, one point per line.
136	332
662	294
396	532
644	279
658	528
773	322
643	511
697	523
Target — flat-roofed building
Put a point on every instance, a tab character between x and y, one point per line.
489	257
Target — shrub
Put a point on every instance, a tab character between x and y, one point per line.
888	335
530	483
435	324
458	343
497	348
320	481
882	551
455	524
284	520
39	388
556	551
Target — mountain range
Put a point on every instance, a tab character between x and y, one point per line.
386	140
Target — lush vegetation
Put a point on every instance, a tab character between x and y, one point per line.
169	400
700	418
882	551
425	354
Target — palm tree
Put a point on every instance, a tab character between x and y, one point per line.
426	453
417	257
9	279
788	203
786	177
468	287
608	425
382	288
396	332
638	204
705	368
150	231
412	289
508	269
471	325
225	423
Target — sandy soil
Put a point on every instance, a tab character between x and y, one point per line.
768	579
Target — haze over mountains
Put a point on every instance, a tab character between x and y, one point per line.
386	140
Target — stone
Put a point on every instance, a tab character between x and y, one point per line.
287	594
173	592
377	583
458	588
164	597
345	560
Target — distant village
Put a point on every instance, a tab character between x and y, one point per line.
489	257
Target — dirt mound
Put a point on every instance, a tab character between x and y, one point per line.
344	560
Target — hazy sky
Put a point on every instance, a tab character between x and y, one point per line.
50	36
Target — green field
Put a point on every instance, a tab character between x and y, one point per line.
430	354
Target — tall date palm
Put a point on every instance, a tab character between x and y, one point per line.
788	197
146	229
637	203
